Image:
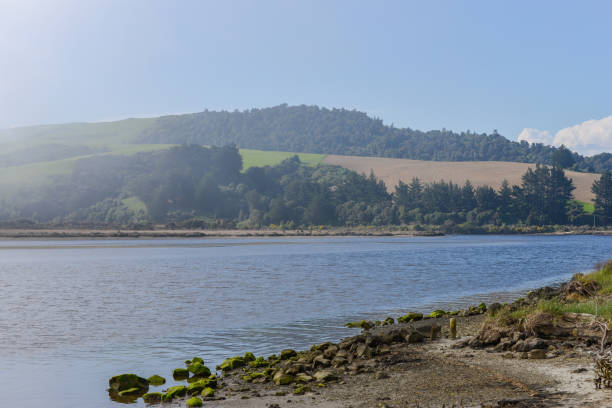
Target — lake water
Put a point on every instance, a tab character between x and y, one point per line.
75	312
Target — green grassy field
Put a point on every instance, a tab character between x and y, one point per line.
36	174
588	208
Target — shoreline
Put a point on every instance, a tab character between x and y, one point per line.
417	363
254	233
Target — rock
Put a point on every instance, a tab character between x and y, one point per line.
200	385
490	337
208	392
174	392
410	317
248	357
281	378
532	343
198	369
196	360
482	307
152	397
437	313
415	337
303	377
320	361
194	402
232	363
287	354
325	376
258	362
293	369
156	380
301	390
363	324
388	321
364	351
508	355
126	381
330	352
180	373
537	354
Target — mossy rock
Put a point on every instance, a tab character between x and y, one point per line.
153	397
482	307
198	369
410	317
281	378
123	382
208	392
194	402
199	385
437	313
301	390
362	324
258	362
287	354
232	364
174	392
187	362
248	356
252	376
197	360
180	373
325	376
388	321
303	377
156	380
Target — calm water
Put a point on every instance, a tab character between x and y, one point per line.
74	313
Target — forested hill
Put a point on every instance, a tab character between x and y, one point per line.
348	132
303	129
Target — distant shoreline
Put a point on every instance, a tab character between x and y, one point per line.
250	233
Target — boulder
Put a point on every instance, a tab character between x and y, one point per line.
199	370
303	377
325	376
232	363
156	380
410	317
126	381
415	337
330	352
532	343
194	402
174	392
301	390
180	373
320	361
437	313
281	378
287	354
152	397
196	360
208	392
248	356
198	386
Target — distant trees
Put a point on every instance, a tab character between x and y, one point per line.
197	186
340	131
602	189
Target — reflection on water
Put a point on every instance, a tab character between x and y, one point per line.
73	313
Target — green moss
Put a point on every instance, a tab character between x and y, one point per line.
208	392
123	382
194	402
197	360
252	376
248	356
200	385
301	390
283	379
156	380
258	362
198	369
410	317
287	354
362	324
180	373
232	363
174	392
437	313
153	397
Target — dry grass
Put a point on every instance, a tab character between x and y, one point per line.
391	171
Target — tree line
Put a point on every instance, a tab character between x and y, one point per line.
195	186
349	132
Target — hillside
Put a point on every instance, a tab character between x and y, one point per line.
308	129
391	171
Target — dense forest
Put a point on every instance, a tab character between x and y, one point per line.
191	186
349	132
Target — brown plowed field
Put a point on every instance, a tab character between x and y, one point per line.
491	173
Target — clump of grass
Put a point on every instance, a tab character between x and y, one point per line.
511	315
558	308
603	277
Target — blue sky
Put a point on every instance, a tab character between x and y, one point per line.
477	65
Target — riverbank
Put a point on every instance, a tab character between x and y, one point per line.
511	355
252	233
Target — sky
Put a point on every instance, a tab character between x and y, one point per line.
538	71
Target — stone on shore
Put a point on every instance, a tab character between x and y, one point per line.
126	381
156	380
194	402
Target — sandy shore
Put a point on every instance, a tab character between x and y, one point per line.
434	374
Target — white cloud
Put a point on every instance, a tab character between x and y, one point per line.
587	138
532	135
